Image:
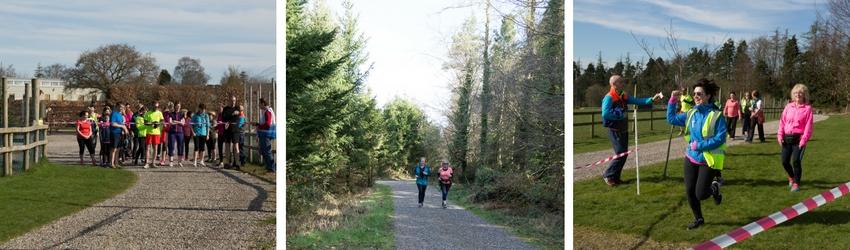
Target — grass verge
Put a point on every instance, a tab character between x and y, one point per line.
50	191
544	230
756	186
367	225
259	172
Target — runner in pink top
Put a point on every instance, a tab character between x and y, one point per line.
446	173
732	110
795	129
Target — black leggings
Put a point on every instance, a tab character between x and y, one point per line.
86	144
140	148
731	122
211	147
754	123
698	185
421	192
200	144
793	151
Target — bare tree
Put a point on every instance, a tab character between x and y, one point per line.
7	71
190	72
113	64
56	71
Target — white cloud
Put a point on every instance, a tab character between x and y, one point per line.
711	15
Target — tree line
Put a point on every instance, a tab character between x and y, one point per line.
770	63
117	64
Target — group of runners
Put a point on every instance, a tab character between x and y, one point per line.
706	134
422	171
150	134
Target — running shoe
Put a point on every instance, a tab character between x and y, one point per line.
696	224
790	181
717	196
795	188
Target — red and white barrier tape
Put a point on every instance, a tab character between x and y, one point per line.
774	219
149	124
610	158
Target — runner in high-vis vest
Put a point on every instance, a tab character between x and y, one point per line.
705	132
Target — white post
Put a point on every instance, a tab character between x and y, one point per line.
637	163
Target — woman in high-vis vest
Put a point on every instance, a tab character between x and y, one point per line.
795	130
705	132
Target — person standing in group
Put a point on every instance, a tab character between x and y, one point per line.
240	135
93	118
85	136
153	122
141	131
175	121
105	136
614	118
705	134
128	139
795	130
219	128
746	102
200	127
266	133
166	126
732	110
686	102
231	118
756	117
188	133
421	171
446	173
213	137
118	130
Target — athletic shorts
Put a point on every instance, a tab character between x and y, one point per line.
200	143
227	137
115	139
153	139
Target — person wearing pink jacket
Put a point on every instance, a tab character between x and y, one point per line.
732	110
795	129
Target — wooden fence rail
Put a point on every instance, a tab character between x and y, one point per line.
596	117
21	147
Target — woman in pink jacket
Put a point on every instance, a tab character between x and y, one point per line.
795	129
732	110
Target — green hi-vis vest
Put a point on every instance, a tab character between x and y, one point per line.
687	102
715	157
745	104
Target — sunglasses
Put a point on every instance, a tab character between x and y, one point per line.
699	93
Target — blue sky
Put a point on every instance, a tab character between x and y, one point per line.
605	25
218	32
408	43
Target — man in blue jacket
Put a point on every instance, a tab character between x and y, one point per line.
614	118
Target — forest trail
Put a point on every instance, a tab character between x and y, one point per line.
432	227
655	152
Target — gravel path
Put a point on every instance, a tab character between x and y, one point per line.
655	152
168	208
432	227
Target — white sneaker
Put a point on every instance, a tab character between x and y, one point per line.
146	166
195	164
203	164
171	164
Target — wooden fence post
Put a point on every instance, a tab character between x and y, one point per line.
36	111
592	126
26	107
7	160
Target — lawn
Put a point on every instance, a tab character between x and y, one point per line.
583	142
756	186
544	230
371	226
50	191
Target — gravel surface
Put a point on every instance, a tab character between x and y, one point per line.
655	152
168	208
432	227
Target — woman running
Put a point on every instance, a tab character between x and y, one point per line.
705	133
795	130
445	180
422	171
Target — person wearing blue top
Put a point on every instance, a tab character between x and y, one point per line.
421	171
200	127
239	136
614	118
705	153
118	129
